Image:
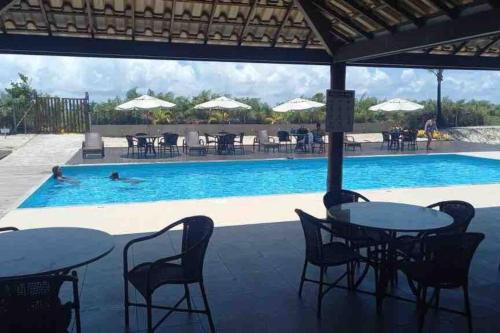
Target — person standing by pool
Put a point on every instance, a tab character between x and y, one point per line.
318	134
429	128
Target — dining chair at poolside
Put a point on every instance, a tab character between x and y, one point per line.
32	304
357	238
284	139
169	141
4	229
183	269
132	145
323	255
445	264
210	142
239	143
386	140
462	213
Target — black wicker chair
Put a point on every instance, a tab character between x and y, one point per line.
462	213
386	140
132	145
210	142
284	139
238	143
226	144
444	265
169	141
323	255
8	229
32	304
181	269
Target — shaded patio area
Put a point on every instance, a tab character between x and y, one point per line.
252	274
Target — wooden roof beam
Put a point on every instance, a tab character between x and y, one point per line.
90	18
396	5
450	12
172	18
249	18
372	16
132	8
308	37
320	25
115	48
459	47
485	48
482	24
344	20
211	19
282	25
45	16
6	4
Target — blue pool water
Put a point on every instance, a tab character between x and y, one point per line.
172	181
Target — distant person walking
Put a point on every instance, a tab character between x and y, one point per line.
429	128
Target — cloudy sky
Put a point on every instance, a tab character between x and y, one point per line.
106	78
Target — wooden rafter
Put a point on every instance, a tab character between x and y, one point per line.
485	48
6	4
320	25
172	18
396	5
308	37
45	16
450	12
344	20
282	25
211	19
371	15
459	47
249	18
132	9
90	18
466	27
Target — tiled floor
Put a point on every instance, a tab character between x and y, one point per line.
119	155
252	274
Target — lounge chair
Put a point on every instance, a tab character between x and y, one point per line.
350	143
93	145
192	142
265	141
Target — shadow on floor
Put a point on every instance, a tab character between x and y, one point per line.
252	274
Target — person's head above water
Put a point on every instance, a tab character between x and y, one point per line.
56	172
114	176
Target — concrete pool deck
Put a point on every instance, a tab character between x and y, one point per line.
128	218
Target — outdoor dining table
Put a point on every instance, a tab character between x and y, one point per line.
221	146
47	251
150	143
392	219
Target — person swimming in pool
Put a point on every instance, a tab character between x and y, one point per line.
57	174
115	176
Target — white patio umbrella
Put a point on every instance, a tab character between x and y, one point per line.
145	103
396	104
222	103
298	104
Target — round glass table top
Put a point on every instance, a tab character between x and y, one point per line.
50	250
390	216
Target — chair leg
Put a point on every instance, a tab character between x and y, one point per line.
127	320
467	307
302	277
422	308
438	292
207	308
320	291
149	314
188	296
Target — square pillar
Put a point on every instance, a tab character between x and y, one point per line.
336	139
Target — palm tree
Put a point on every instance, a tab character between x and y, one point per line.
439	114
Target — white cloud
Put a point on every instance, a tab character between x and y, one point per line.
106	78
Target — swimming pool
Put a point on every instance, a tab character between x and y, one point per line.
194	180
